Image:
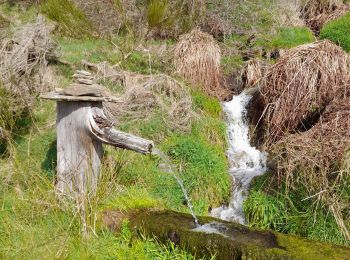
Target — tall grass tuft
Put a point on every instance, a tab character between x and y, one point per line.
71	20
197	59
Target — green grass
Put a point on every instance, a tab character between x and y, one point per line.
71	20
35	225
209	105
16	14
338	31
287	37
132	198
269	206
92	50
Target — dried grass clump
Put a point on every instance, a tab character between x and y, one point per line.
288	13
214	25
23	63
302	83
322	155
111	16
252	73
318	12
197	59
24	58
144	95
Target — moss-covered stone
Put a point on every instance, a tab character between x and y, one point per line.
232	240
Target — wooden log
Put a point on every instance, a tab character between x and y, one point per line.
103	131
78	152
225	240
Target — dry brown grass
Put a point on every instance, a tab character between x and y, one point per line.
197	59
143	95
214	25
310	85
24	58
288	13
318	12
111	16
302	82
23	65
321	154
252	73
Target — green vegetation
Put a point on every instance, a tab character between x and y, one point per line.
71	20
36	225
92	50
271	207
290	37
338	31
156	12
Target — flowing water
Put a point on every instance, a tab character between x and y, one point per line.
246	161
169	168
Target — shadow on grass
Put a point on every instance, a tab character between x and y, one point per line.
50	162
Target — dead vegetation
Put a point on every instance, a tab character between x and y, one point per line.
23	63
197	59
143	95
301	84
110	17
307	123
322	154
316	13
24	58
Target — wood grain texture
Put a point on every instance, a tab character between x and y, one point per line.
59	97
79	154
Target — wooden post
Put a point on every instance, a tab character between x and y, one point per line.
78	153
82	128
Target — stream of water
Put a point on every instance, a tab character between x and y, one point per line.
167	166
246	161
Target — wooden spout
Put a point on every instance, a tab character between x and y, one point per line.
82	128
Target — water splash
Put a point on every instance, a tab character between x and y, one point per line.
246	161
167	166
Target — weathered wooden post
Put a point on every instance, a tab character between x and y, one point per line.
82	128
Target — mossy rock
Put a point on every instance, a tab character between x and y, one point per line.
226	240
338	31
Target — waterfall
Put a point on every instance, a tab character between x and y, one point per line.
245	161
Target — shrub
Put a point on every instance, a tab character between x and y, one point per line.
71	20
338	31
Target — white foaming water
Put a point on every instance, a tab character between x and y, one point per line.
246	161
